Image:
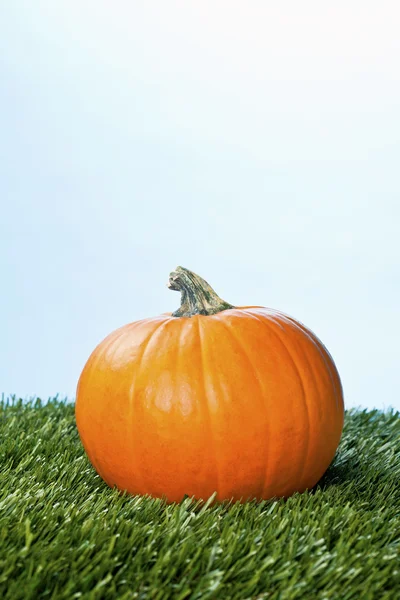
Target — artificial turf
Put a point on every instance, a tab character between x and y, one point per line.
65	534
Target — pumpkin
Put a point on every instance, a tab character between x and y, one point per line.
242	401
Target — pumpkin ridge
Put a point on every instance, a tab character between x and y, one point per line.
98	354
207	409
132	402
147	341
232	333
326	357
303	392
310	364
303	463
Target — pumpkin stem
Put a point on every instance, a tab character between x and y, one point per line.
197	296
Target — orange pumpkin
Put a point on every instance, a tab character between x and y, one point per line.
243	401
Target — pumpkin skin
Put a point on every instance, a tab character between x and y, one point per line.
246	402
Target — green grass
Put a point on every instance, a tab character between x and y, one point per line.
65	534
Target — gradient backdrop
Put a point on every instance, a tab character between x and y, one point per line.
256	143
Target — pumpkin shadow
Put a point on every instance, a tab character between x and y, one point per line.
339	473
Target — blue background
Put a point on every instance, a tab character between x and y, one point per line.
255	143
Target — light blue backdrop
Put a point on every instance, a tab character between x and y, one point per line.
256	143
